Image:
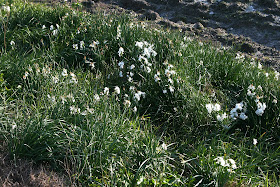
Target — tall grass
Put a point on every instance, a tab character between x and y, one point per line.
114	101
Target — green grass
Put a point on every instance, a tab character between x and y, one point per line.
60	102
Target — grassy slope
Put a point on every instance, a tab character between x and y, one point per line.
55	106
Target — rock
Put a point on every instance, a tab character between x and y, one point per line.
199	26
136	4
150	15
247	48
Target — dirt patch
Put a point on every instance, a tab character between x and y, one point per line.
22	173
251	27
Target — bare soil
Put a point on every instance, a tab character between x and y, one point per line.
23	173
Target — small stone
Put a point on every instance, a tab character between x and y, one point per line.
199	26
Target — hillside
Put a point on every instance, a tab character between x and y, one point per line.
106	99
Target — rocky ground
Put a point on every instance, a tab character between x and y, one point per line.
252	27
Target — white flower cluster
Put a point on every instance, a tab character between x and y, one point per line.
81	44
238	111
6	8
53	29
251	90
148	50
119	32
94	44
260	106
169	72
229	163
277	75
213	107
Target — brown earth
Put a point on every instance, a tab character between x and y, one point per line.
22	173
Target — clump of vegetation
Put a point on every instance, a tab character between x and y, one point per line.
116	102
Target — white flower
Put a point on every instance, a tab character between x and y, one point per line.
12	43
121	74
25	75
44	26
82	45
143	59
75	46
243	116
220	160
119	32
51	27
156	77
135	109
170	81
260	66
231	163
70	96
143	94
73	78
171	88
121	64
121	51
55	32
64	73
6	8
209	108
164	91
91	64
132	67
250	90
131	88
130	79
117	90
63	99
217	107
141	179
75	110
274	101
250	93
148	70
221	117
255	141
14	126
277	74
52	99
57	26
139	44
84	113
261	108
266	74
96	97
55	79
127	103
94	44
137	97
90	110
106	91
164	146
239	106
